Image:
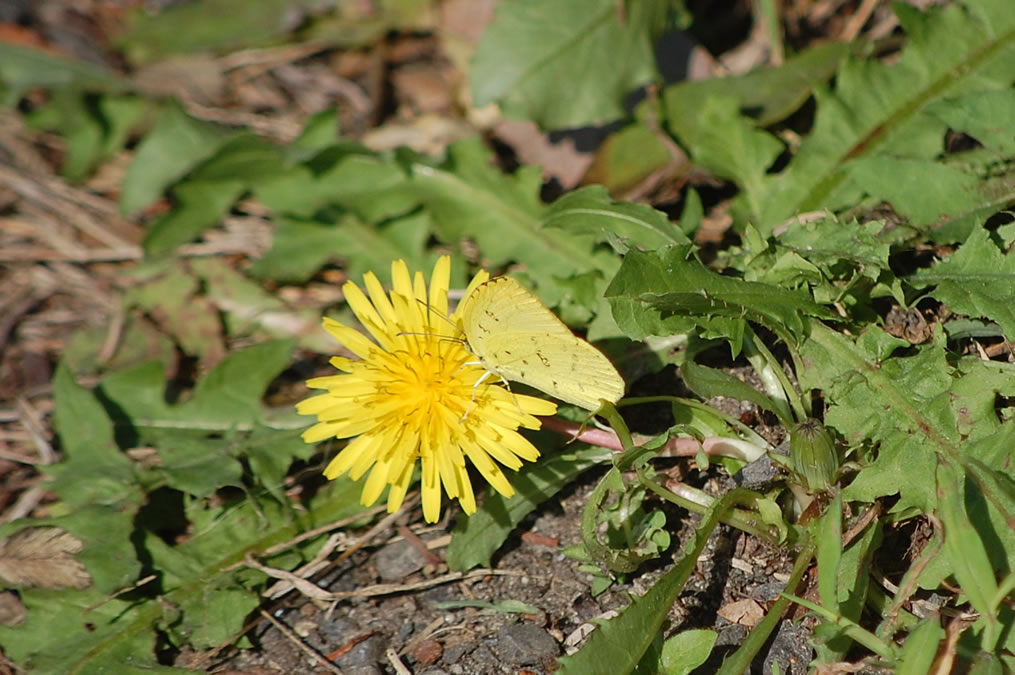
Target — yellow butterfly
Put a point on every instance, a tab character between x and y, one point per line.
518	338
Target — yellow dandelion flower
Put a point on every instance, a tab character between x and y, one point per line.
406	396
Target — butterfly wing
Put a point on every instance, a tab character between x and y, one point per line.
502	305
563	366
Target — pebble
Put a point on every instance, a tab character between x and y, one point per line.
525	644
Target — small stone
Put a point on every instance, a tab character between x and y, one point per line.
525	644
398	560
427	652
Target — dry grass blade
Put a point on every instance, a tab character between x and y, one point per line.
43	556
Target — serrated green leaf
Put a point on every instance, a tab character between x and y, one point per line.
977	280
681	286
878	109
532	46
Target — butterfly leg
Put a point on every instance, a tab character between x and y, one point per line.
472	404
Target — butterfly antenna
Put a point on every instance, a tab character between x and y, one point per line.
440	314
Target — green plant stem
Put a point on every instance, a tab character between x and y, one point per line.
702	502
774	379
854	630
740	661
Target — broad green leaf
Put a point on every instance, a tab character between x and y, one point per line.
172	148
731	146
566	64
985	115
923	192
94	470
770	94
301	247
978	280
82	632
24	68
477	537
625	225
687	650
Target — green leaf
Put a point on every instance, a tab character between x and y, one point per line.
708	382
669	284
174	146
731	146
920	648
63	630
687	650
467	197
531	47
199	206
984	115
771	94
911	415
829	554
23	68
169	292
964	544
924	192
977	280
477	537
94	470
209	25
625	225
878	109
301	247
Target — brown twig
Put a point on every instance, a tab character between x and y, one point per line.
300	643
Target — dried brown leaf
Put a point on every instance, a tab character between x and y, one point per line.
12	610
43	556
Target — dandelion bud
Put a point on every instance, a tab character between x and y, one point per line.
812	454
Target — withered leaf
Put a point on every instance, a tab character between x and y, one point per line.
12	610
43	556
